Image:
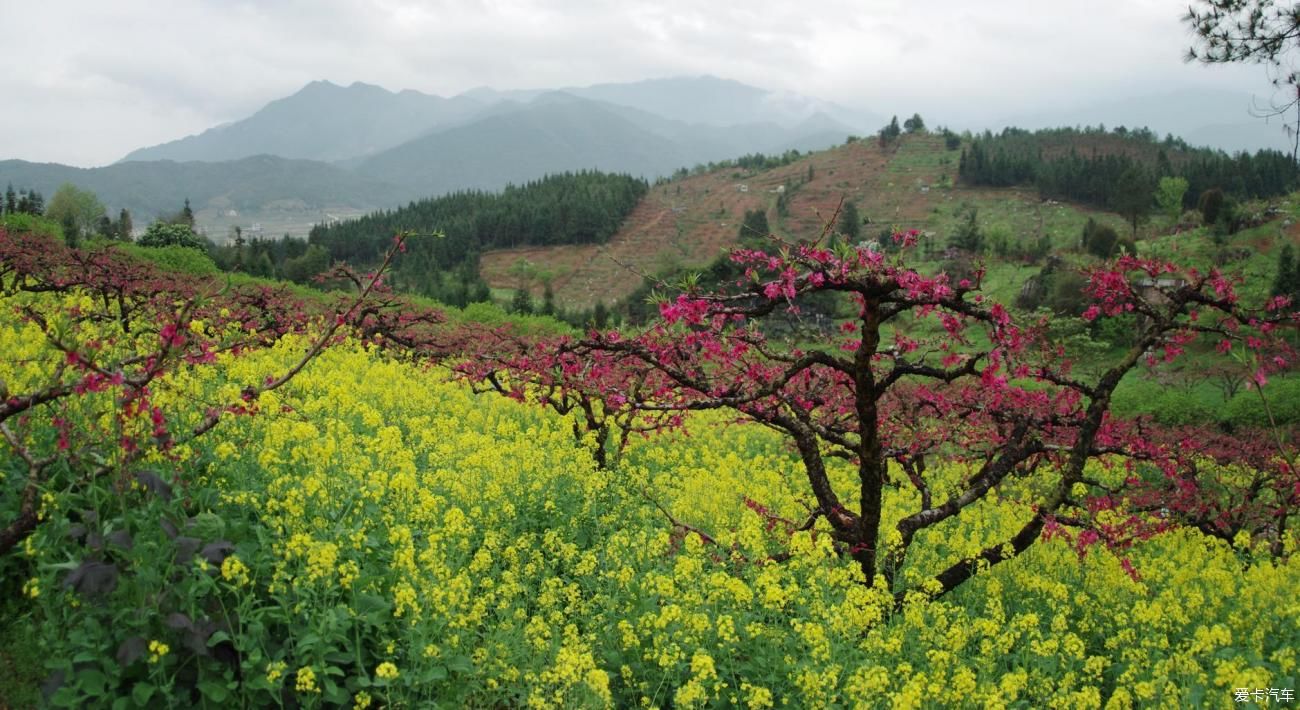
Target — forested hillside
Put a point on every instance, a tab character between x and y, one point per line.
1103	168
452	231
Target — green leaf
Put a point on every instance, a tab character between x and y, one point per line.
92	682
209	526
372	607
217	637
460	664
435	673
335	693
214	691
141	693
66	697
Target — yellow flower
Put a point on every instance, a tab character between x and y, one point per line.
386	670
158	649
233	570
692	694
756	696
361	701
32	588
307	680
274	670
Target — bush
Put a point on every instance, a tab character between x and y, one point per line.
301	269
1179	407
161	234
1065	293
1099	239
181	259
23	222
1210	204
1246	409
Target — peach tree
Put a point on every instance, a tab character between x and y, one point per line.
928	368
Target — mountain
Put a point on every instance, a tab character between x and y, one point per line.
327	122
513	142
251	185
721	102
322	121
554	133
363	147
706	142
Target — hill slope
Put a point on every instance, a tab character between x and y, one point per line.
911	184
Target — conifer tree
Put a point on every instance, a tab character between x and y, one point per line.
1287	281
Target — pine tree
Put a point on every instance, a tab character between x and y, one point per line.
522	303
11	200
968	236
124	225
754	226
1287	282
1257	32
1132	196
1210	204
548	300
850	223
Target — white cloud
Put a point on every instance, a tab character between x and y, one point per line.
86	82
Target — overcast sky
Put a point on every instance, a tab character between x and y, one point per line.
86	82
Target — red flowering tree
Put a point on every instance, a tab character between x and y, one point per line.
926	368
122	325
604	391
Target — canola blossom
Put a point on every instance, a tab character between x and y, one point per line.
374	533
397	538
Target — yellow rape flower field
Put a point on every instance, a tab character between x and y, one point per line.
390	539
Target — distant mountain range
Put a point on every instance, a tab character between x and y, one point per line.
330	149
323	122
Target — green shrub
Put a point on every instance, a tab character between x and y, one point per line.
1246	408
1180	407
161	234
174	258
23	222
